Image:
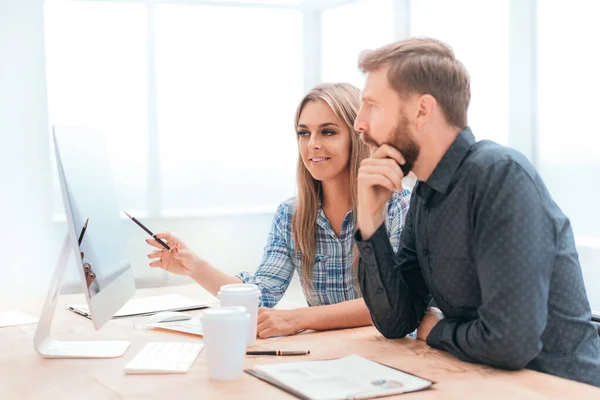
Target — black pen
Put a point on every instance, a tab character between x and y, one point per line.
148	231
278	353
82	232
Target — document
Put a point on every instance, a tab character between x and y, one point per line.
148	305
192	326
352	377
14	317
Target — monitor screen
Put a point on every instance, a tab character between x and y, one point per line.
94	220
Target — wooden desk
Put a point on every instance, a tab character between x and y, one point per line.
25	375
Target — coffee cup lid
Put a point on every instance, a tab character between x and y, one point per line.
239	289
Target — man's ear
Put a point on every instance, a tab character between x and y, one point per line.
426	107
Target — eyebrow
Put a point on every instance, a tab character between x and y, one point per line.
367	98
323	125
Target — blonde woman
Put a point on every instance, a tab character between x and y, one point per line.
311	234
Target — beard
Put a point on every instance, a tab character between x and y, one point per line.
401	139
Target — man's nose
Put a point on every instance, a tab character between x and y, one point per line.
360	124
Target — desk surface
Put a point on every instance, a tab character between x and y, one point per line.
25	375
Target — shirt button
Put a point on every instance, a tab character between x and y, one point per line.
368	250
379	290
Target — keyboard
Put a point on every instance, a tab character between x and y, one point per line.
164	358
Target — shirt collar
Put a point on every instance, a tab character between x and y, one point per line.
444	172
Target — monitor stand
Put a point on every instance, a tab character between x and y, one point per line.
47	346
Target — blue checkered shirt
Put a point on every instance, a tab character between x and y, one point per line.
332	277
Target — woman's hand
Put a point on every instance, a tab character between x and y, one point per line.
179	260
273	322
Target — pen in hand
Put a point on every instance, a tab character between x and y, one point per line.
166	246
278	353
83	231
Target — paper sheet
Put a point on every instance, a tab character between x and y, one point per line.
192	326
14	317
149	305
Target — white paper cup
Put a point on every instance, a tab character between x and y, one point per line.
225	341
245	295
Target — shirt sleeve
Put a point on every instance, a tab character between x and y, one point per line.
276	269
392	284
397	210
514	247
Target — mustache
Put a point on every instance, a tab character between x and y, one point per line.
368	139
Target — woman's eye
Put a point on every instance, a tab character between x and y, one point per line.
303	133
328	133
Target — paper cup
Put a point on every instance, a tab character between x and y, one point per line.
244	295
225	341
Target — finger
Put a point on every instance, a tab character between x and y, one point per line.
387	151
166	235
155	264
263	326
269	332
263	314
156	254
372	180
383	162
392	172
154	243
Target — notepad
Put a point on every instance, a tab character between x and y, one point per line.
148	306
352	377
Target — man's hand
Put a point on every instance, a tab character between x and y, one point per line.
273	322
431	318
378	177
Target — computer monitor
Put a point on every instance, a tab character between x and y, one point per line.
106	277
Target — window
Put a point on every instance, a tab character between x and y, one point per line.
228	83
568	84
478	31
215	87
97	77
349	29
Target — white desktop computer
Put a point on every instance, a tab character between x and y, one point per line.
94	237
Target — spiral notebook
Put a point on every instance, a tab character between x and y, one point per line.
352	377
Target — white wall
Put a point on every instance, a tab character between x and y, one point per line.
24	215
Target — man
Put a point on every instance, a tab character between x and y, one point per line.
483	237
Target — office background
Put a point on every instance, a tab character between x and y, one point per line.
197	99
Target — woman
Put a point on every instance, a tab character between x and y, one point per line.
312	233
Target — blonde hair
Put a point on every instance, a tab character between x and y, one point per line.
344	101
425	66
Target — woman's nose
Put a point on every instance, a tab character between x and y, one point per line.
314	142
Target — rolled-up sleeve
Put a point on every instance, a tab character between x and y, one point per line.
276	269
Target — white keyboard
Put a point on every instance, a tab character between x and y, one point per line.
164	358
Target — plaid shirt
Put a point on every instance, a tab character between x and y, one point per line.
332	276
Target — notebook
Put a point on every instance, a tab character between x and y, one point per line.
596	315
351	377
148	305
